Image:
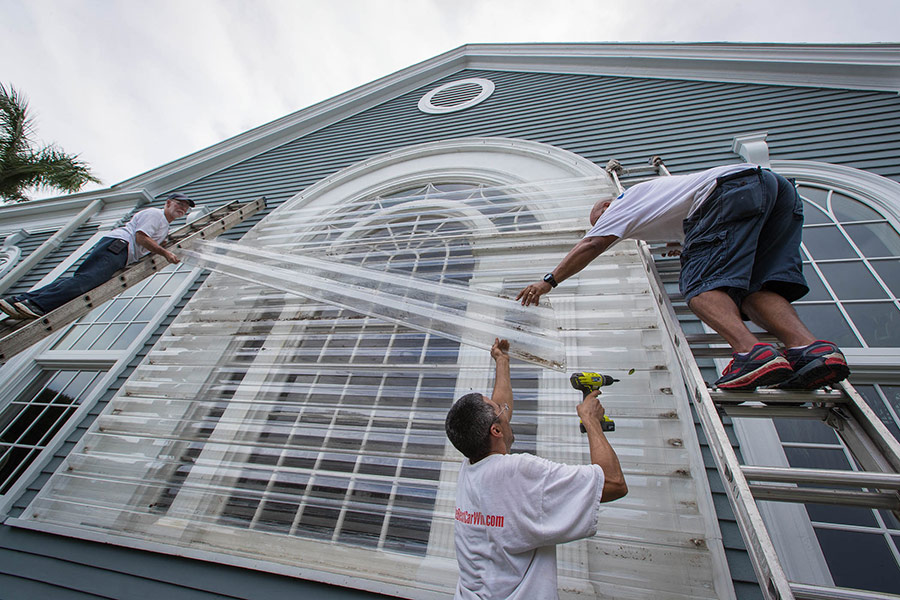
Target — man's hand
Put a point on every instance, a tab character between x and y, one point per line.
672	249
590	409
170	256
500	349
532	294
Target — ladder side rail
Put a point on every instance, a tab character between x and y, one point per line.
31	332
799	495
874	430
805	591
773	581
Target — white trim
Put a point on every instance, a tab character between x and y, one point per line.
752	148
486	85
883	193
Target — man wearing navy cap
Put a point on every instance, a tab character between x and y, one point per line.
120	247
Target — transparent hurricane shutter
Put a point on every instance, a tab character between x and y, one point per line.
278	427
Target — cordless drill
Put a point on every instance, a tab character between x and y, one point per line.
587	383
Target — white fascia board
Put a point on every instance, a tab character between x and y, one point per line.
845	66
50	214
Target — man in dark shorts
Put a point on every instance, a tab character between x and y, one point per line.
741	227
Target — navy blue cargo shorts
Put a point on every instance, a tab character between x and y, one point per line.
744	238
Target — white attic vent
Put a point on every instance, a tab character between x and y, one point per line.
456	95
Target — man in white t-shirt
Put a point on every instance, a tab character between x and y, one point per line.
513	509
741	227
145	233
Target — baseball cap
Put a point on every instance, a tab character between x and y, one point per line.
182	197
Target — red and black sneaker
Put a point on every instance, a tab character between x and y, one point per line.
821	363
763	365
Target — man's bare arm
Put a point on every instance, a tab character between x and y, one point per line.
602	454
502	392
577	259
150	244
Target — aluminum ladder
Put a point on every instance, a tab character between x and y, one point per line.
841	407
17	335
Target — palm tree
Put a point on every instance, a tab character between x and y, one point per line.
21	165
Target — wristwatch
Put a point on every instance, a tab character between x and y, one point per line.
550	279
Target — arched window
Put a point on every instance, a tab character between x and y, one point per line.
852	265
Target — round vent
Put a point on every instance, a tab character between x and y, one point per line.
457	95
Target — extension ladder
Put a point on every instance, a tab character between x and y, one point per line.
17	335
841	407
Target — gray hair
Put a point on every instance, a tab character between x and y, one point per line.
468	426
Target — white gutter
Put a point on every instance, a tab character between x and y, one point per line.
50	245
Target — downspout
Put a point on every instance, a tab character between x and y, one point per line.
50	245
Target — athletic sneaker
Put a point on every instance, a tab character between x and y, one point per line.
28	309
7	305
821	363
763	365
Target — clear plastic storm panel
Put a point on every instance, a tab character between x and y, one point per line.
449	309
308	437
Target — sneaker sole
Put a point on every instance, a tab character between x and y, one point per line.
10	310
820	372
774	372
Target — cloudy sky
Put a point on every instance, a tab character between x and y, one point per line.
131	85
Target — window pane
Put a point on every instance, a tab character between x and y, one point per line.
817	289
848	209
814	215
889	271
860	560
805	430
873	399
892	393
816	195
852	280
824	243
878	322
876	239
827	323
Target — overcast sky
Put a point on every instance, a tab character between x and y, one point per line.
131	85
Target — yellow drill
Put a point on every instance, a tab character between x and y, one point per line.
589	382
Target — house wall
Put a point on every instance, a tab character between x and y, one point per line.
690	124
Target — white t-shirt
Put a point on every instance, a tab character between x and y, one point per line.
511	511
654	210
152	221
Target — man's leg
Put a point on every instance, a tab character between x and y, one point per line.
97	268
718	310
753	364
775	314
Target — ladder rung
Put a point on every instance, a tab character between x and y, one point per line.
715	338
805	591
823	476
783	493
760	411
778	396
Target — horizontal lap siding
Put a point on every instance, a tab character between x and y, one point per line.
690	124
33	242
